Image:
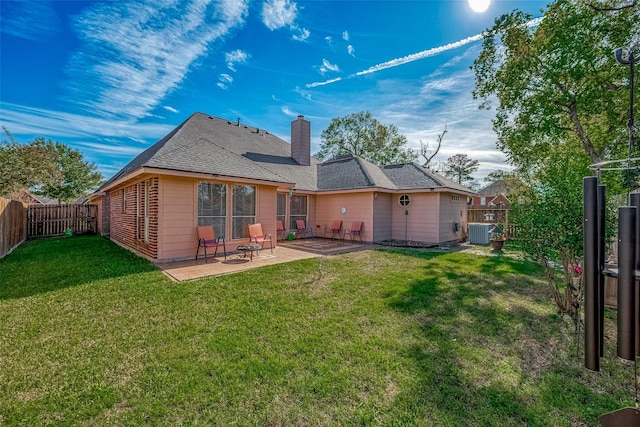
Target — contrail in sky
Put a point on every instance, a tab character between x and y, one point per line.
414	57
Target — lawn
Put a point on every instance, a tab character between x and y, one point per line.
92	335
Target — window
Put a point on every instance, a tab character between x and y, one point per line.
282	209
212	206
298	211
404	200
455	198
244	210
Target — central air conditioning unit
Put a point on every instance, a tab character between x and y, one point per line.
479	234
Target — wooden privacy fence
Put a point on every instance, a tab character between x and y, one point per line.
488	214
53	220
13	225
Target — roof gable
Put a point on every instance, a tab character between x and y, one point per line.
210	145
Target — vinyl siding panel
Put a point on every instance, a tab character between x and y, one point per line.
359	208
178	237
421	224
266	210
452	211
383	217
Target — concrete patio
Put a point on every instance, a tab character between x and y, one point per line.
236	262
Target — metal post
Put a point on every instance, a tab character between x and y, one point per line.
635	201
602	200
590	274
626	282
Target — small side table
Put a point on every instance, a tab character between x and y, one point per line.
250	249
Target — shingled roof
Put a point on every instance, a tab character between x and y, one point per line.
349	172
215	146
411	176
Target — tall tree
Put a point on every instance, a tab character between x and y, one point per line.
557	81
25	165
460	168
362	135
47	168
77	177
562	105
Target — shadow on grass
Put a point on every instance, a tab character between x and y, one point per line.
487	351
40	266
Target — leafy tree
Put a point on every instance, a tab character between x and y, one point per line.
548	212
24	166
362	135
460	167
500	175
47	168
558	82
562	104
77	176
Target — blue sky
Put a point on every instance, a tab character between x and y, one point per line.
111	78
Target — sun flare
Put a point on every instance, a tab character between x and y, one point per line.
479	6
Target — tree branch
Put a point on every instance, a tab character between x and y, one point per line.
424	148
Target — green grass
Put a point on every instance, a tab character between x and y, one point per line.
92	335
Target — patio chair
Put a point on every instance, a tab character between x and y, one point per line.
303	229
281	232
355	230
257	236
335	228
207	239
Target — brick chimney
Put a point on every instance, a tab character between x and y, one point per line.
301	141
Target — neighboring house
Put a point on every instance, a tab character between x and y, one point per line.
29	199
494	194
213	171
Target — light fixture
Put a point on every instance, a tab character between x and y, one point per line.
625	55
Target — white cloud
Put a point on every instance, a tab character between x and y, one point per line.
419	55
225	81
351	51
128	63
110	149
171	109
98	138
304	94
327	66
287	111
345	35
303	34
29	121
329	40
28	20
279	13
326	82
236	57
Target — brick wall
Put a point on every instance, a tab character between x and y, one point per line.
129	227
103	218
